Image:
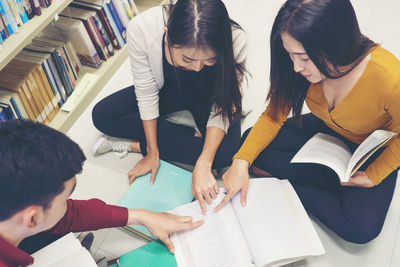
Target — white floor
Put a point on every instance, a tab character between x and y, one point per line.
105	177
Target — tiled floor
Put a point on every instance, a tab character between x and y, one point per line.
105	177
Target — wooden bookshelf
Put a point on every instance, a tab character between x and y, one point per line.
64	120
16	42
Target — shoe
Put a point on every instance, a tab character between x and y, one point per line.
87	241
107	144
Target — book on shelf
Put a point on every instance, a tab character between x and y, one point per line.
8	18
273	229
171	188
87	17
111	8
12	4
74	30
21	11
64	252
28	9
119	8
35	7
101	22
332	152
13	99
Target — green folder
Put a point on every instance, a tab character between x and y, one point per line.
153	254
172	188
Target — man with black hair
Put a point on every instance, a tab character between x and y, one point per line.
37	175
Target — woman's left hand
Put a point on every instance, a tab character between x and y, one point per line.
204	185
359	179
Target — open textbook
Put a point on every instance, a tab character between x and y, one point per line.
64	252
332	152
271	230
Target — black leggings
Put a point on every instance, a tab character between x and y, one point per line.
355	214
118	115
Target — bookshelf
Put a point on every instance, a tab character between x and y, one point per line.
15	43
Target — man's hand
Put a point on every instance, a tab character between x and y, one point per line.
235	179
204	185
150	163
359	179
161	225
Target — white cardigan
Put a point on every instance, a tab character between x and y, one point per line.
145	37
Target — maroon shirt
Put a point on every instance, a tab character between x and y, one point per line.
81	215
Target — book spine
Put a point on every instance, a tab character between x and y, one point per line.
99	37
52	82
117	20
68	64
133	8
37	99
113	25
43	3
1	40
103	34
35	7
26	104
49	99
28	9
52	92
6	17
21	11
128	9
67	72
3	33
38	89
3	115
74	61
16	108
94	39
57	79
89	57
121	12
27	92
62	72
108	29
20	105
12	5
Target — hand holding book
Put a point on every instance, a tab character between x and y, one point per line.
359	179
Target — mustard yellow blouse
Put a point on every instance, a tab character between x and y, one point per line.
373	103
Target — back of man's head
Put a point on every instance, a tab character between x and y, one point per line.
35	162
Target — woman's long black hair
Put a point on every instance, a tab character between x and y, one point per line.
206	23
330	35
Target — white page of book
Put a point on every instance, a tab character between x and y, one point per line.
219	242
66	251
275	224
327	150
367	147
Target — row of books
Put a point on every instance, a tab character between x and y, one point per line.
38	81
15	13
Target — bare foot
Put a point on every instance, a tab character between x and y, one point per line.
135	146
197	134
259	172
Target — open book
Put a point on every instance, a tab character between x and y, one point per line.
65	252
271	230
332	152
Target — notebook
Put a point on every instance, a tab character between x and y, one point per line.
172	188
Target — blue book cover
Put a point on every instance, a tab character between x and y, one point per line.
6	18
62	70
16	108
117	19
10	16
150	255
57	79
22	12
113	25
1	39
3	116
52	82
172	188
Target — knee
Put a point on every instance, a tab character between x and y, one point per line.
362	233
98	116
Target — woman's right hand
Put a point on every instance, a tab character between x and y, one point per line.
150	163
235	179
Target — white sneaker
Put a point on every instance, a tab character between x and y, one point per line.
107	144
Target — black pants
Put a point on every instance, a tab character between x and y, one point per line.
355	214
118	115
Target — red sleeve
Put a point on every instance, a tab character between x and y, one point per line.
87	215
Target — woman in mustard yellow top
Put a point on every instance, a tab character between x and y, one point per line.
352	87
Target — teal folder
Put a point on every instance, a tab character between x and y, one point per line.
153	254
172	188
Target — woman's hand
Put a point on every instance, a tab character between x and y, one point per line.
204	185
161	225
359	179
235	179
150	163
